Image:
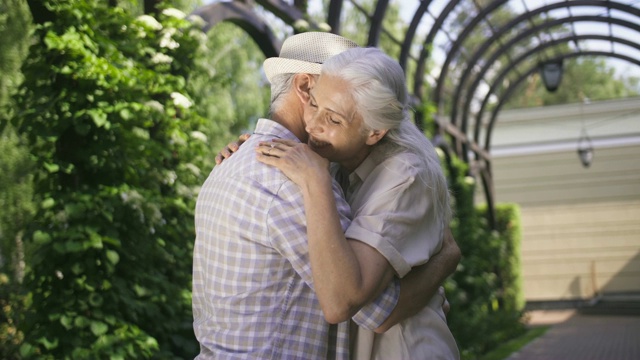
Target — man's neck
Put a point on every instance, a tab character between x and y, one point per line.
292	121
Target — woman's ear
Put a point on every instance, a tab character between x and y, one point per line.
375	136
302	84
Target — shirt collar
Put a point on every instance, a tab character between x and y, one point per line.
363	170
272	128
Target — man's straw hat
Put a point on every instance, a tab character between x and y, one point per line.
305	53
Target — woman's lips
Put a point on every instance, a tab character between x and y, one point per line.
317	144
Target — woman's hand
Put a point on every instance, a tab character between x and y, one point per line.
296	160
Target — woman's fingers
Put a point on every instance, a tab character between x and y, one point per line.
268	148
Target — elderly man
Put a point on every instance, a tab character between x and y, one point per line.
253	291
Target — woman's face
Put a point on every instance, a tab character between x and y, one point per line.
334	126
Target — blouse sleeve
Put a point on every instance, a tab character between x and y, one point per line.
396	216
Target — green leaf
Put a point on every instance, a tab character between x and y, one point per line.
75	210
48	344
52	168
113	257
41	238
98	116
26	350
66	321
81	321
99	328
95	299
48	203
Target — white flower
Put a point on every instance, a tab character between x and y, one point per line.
155	105
301	24
181	100
469	180
194	169
199	35
173	13
160	58
197	20
149	21
167	41
323	26
199	136
170	177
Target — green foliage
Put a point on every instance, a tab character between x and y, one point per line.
14	31
230	92
486	291
16	182
118	150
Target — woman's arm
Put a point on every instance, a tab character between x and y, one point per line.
347	273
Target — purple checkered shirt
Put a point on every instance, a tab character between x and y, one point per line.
253	292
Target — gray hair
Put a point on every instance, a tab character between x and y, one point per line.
280	85
380	92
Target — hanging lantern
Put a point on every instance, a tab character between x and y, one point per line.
585	149
551	73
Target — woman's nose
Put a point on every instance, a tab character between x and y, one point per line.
313	125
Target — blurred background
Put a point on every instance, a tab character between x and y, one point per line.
112	112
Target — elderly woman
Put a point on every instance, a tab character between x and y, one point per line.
358	118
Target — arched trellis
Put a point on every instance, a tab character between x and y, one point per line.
476	66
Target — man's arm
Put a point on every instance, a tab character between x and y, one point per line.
422	282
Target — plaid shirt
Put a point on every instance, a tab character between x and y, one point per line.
253	292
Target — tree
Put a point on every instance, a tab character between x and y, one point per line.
106	110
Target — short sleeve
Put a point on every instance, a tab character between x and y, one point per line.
372	315
395	215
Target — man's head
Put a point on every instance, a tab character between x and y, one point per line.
301	54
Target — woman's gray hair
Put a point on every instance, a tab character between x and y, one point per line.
380	92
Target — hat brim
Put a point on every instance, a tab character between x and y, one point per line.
276	66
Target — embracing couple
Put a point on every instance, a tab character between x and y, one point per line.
325	235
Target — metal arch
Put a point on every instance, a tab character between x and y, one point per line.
498	79
485	172
288	13
376	22
243	16
522	35
534	68
532	51
411	33
424	52
458	43
333	15
464	34
471	89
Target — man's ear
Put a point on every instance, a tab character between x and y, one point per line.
375	136
302	83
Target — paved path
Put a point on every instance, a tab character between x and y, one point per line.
575	336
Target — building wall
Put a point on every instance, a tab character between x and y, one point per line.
581	226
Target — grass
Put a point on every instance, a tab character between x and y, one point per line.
511	346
